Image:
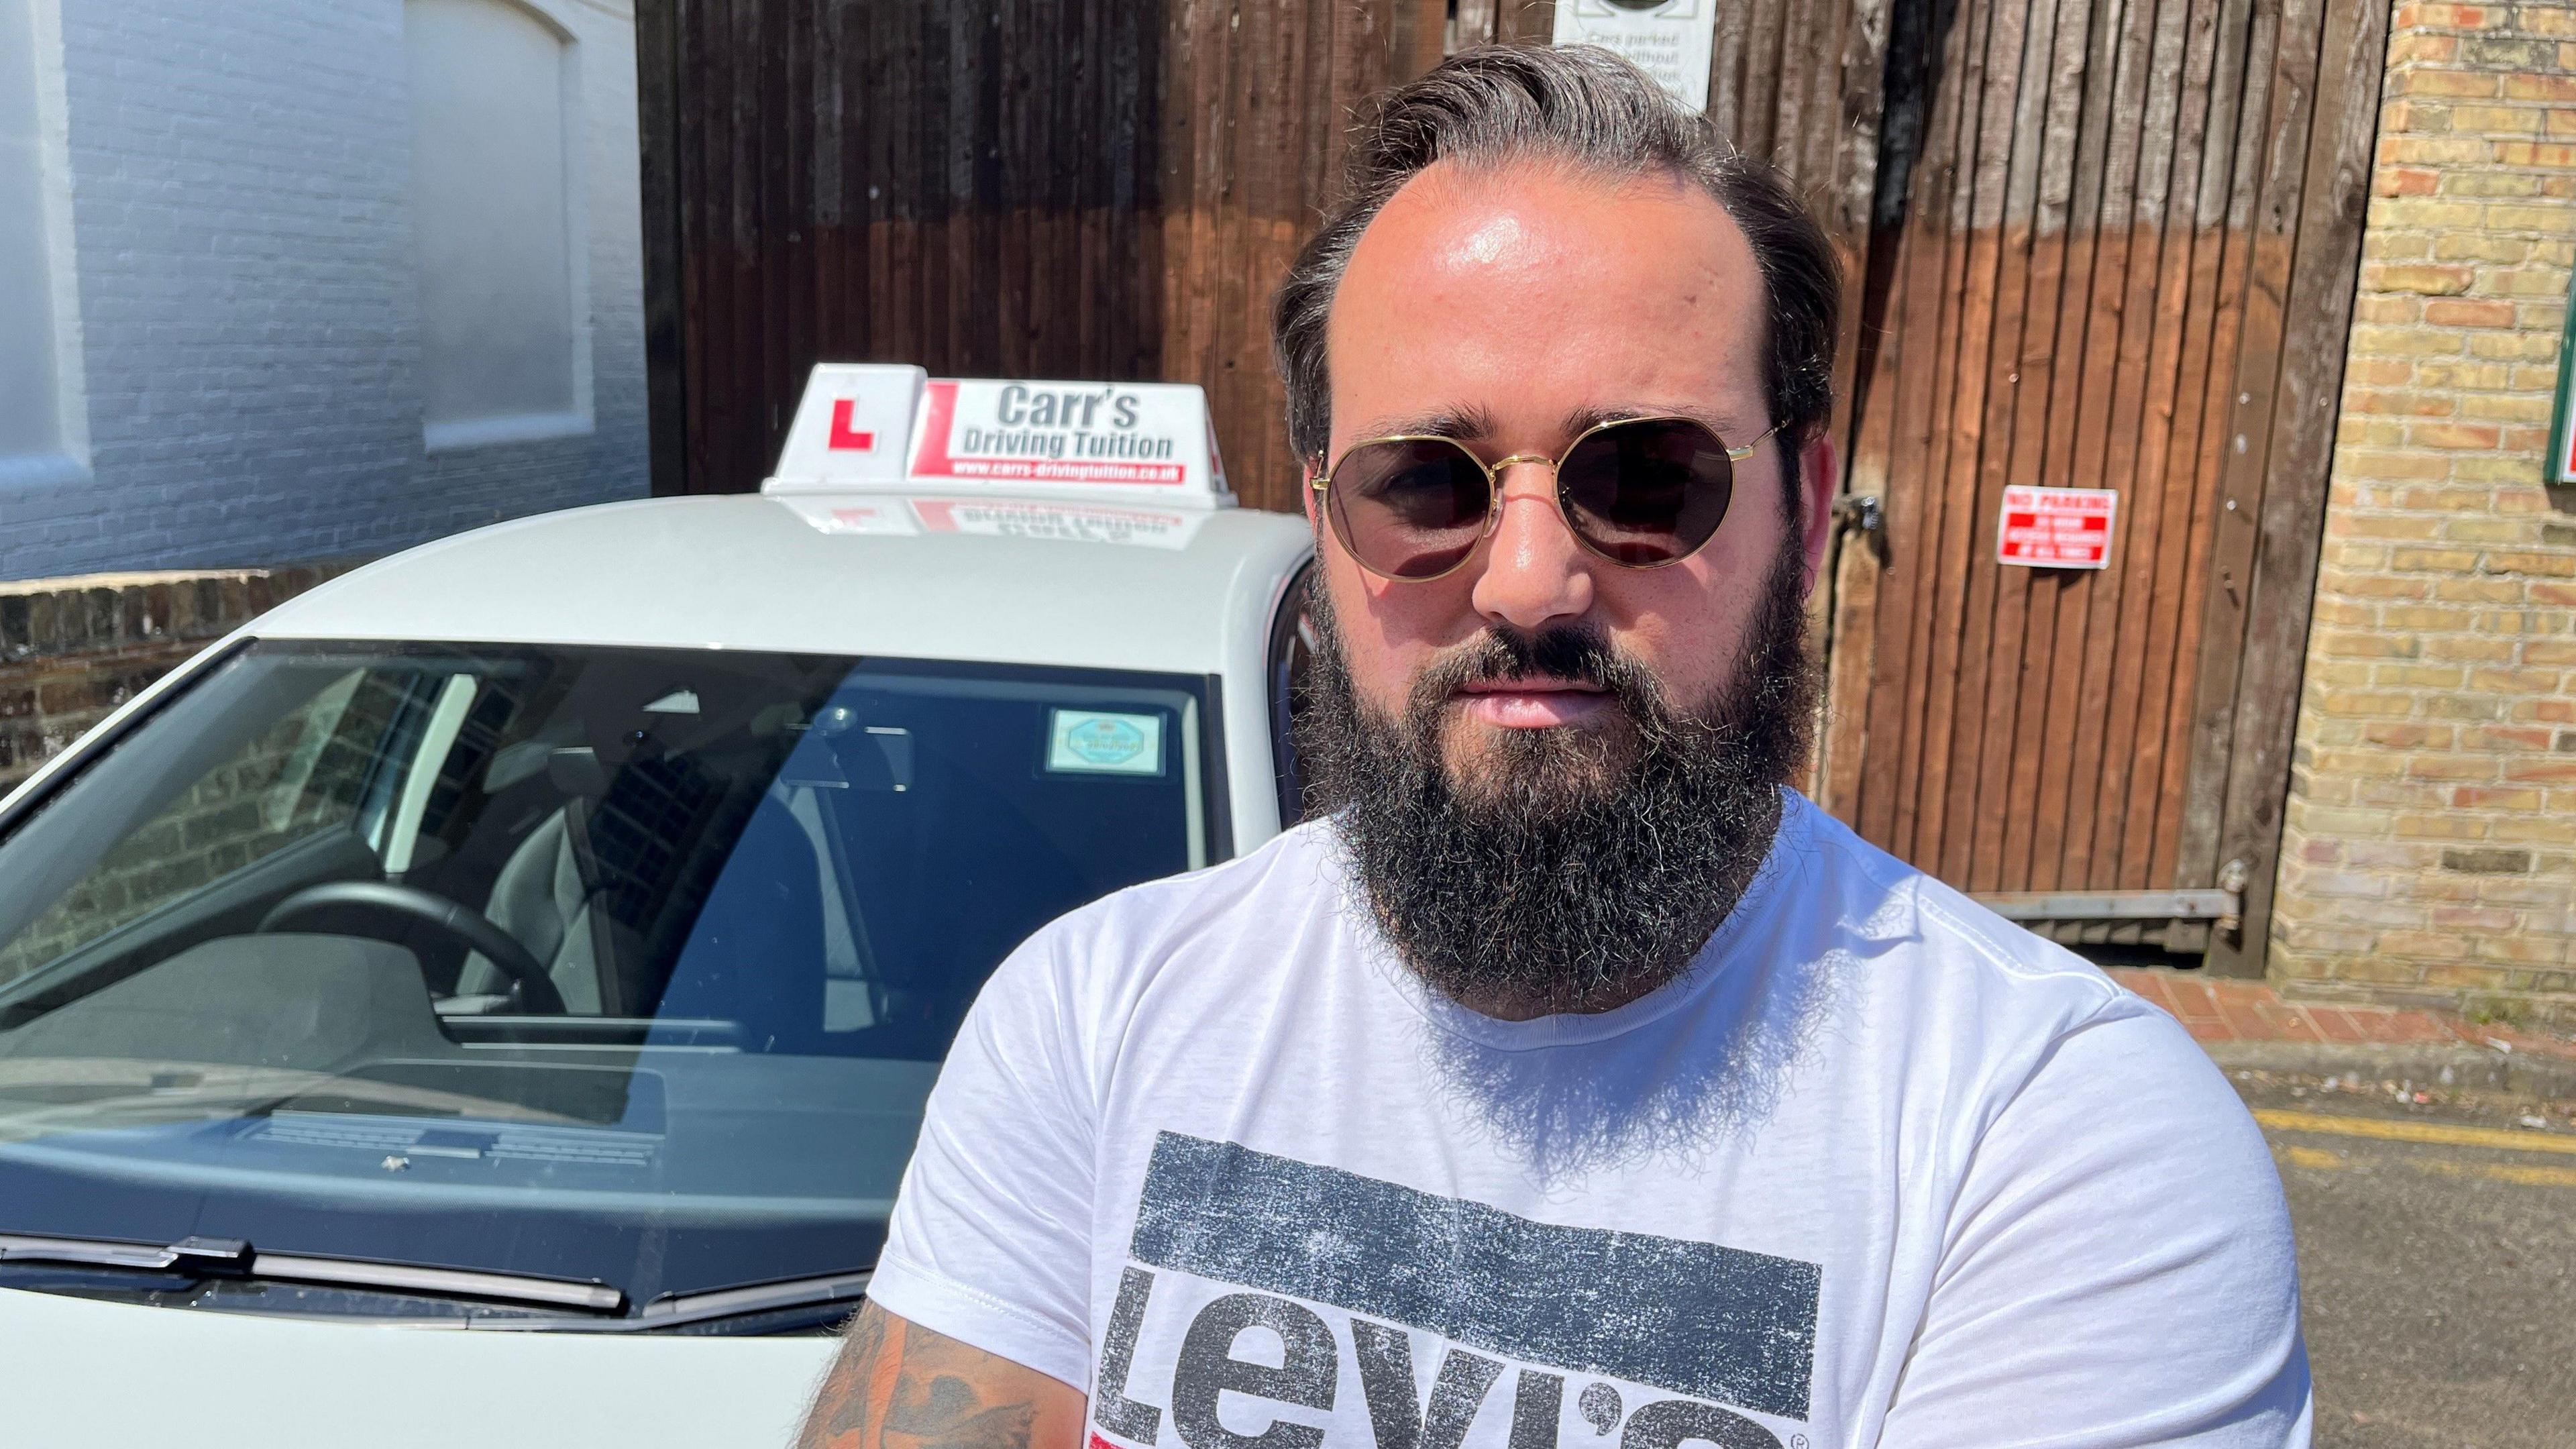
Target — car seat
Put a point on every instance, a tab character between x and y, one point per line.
550	896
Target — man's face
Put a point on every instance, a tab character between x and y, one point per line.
1514	308
1556	776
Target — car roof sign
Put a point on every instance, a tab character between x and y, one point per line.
853	428
879	428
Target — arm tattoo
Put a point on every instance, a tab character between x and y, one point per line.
898	1386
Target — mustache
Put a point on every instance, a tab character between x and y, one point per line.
1575	653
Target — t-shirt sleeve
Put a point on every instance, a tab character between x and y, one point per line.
2118	1268
990	1242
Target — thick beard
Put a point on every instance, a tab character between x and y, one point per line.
1563	869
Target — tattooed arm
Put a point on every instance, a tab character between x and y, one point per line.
900	1386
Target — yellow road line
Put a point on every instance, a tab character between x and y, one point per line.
2435	1132
2499	1172
2317	1158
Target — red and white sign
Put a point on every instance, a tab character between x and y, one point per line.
875	428
2056	528
1143	439
850	428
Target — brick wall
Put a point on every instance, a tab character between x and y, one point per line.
72	650
2430	841
248	329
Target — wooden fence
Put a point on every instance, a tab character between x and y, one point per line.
1061	188
2106	242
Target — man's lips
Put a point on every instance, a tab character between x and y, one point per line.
1532	703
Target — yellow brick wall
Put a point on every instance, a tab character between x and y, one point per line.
2429	849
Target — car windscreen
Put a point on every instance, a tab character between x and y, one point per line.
632	965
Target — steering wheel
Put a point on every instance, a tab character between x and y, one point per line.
537	991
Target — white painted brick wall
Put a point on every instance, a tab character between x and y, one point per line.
248	305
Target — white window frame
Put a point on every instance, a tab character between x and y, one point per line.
68	462
582	418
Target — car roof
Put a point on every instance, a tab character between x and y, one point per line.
855	575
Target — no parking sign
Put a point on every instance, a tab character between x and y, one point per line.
2056	528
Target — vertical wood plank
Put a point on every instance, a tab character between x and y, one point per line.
2354	47
1933	655
2144	337
1959	688
2228	181
2015	741
2052	747
2174	391
2291	72
2100	441
1524	21
657	110
2022	300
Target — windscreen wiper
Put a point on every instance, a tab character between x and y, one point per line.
673	1310
202	1257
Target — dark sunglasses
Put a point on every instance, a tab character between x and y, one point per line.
1639	492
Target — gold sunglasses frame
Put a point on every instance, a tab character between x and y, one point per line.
1323	480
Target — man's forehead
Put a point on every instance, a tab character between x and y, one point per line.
1501	220
1569	289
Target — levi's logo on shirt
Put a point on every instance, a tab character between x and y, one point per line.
1441	1284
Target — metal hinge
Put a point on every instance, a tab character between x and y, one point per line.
1865	514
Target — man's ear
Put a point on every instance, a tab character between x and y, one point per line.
1819	479
1306	488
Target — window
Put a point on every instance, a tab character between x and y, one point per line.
583	947
39	426
503	332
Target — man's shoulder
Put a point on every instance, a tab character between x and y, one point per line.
1293	871
1990	1007
1918	935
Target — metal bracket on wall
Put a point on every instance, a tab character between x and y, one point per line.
1865	514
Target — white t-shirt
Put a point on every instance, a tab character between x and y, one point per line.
1881	1169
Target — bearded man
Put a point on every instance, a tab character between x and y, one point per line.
1572	1083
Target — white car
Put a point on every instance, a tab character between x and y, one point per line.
490	999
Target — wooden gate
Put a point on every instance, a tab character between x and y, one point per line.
2097	242
2122	257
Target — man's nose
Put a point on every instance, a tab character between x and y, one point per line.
1534	570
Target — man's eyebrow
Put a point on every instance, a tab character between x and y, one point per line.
1584	419
1466	424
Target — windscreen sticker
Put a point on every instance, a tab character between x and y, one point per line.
1088	742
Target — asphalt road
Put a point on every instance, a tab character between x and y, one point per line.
2437	1256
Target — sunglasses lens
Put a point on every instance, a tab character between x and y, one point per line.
1647	492
1409	508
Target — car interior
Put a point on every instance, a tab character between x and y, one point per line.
573	850
554	928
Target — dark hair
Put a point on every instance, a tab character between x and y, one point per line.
1587	107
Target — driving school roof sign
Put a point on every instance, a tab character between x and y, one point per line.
867	427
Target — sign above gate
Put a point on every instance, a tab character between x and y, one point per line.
2056	528
873	428
1667	39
